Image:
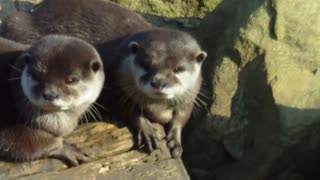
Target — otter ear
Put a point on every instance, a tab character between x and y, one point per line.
201	56
25	57
95	66
133	46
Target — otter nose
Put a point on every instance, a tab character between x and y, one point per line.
158	84
50	96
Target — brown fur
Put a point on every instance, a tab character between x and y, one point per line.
111	28
26	131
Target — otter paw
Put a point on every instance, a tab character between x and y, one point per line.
150	136
174	143
71	155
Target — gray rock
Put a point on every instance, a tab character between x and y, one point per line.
263	120
6	8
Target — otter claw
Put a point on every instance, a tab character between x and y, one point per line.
71	155
176	149
150	136
174	143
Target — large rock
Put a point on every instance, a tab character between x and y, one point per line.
176	8
263	120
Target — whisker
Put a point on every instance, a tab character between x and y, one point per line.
91	114
95	110
100	106
15	68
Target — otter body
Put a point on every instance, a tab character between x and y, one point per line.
116	32
53	83
97	22
158	78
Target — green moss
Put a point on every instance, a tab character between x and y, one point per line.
171	8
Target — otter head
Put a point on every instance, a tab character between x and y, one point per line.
164	64
61	73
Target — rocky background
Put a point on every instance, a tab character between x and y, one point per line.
262	87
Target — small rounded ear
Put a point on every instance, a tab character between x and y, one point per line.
25	57
201	56
95	66
133	46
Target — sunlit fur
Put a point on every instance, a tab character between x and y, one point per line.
61	115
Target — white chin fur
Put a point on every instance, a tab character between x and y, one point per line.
92	91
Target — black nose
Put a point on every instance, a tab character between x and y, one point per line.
50	97
158	84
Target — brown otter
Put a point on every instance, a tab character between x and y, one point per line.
159	76
96	22
110	28
53	83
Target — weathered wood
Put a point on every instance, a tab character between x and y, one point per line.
113	157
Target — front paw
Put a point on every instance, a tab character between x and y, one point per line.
70	154
174	143
150	136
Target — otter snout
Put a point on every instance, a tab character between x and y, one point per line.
50	92
158	83
50	96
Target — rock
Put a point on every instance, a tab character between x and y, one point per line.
114	155
185	24
23	5
177	8
263	118
6	8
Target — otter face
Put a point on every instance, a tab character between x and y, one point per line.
162	73
70	78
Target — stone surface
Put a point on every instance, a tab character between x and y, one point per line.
114	157
169	8
263	120
6	8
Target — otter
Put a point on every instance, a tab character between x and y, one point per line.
96	22
158	77
52	84
109	28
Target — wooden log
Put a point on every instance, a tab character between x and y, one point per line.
113	153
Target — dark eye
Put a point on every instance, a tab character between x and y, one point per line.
179	69
71	80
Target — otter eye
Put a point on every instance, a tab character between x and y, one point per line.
95	66
71	80
179	69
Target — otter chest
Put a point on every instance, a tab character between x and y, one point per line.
59	124
159	114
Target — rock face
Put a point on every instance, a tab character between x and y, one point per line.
169	8
263	120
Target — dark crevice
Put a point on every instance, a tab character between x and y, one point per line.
273	21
